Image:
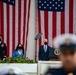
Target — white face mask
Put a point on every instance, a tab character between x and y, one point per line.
20	51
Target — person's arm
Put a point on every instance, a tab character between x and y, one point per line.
14	54
39	53
4	50
22	55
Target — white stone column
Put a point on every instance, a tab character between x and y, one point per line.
30	53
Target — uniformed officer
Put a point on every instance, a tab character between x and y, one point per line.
66	43
10	70
2	48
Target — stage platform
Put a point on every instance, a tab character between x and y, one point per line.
33	69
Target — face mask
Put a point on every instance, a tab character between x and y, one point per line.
45	43
19	49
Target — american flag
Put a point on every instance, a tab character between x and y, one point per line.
14	19
56	17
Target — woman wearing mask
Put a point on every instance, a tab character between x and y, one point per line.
19	52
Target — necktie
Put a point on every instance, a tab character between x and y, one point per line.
45	48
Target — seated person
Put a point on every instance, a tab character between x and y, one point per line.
19	51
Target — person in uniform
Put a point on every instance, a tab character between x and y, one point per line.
10	70
2	49
66	43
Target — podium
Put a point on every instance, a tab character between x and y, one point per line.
53	54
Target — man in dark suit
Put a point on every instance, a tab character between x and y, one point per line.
44	51
2	49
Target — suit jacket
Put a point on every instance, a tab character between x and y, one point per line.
60	71
44	56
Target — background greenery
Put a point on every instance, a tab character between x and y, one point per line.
17	60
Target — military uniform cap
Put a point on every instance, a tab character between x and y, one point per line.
65	41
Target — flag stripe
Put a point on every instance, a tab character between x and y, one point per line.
10	31
39	25
50	27
71	16
58	24
46	23
54	24
13	28
62	22
67	16
42	26
7	30
2	20
16	24
5	23
19	20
